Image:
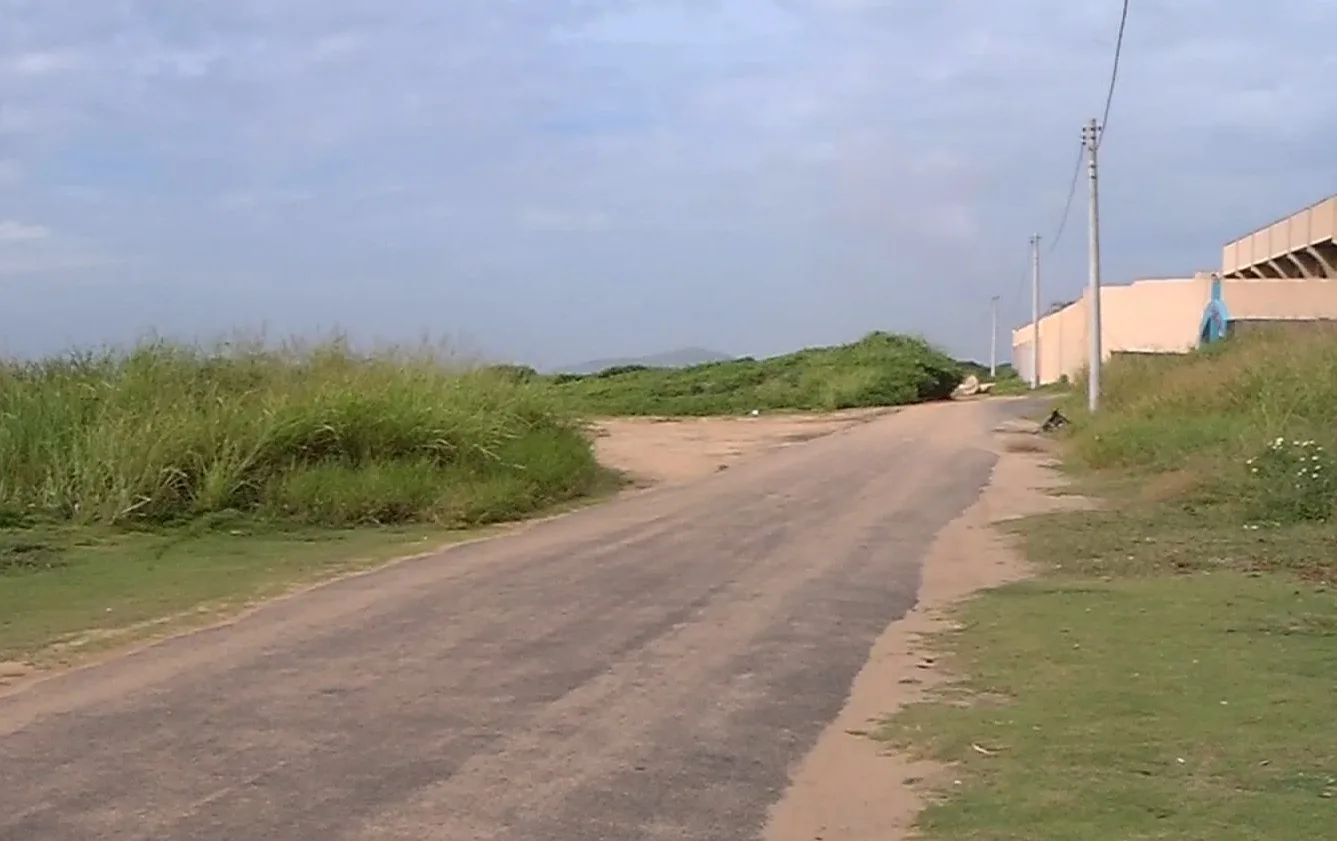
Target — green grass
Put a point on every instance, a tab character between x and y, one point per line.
1169	674
1212	410
879	370
1011	386
1007	382
311	436
1186	708
153	488
147	489
70	591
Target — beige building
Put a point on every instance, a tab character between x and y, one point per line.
1286	271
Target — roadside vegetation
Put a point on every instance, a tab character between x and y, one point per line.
1169	673
139	485
881	369
166	434
157	487
1004	380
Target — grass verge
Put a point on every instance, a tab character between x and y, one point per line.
70	591
166	485
1168	674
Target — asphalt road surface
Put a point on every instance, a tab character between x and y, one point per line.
647	669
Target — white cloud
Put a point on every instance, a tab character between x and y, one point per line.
12	231
339	46
29	250
45	62
26	265
564	221
15	120
700	136
262	198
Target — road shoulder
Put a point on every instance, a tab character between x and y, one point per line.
851	787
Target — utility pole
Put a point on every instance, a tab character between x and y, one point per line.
1091	138
1035	311
993	342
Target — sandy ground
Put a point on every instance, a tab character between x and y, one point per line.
657	450
665	666
848	788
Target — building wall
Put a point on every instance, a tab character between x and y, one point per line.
1150	316
1281	299
1164	316
1280	273
1269	251
1154	316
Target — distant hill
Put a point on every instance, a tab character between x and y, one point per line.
680	358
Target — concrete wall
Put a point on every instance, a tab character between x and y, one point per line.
1163	316
1283	272
1280	300
1154	316
1062	343
1150	316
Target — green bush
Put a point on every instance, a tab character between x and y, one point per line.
515	373
1218	413
1292	480
322	435
879	370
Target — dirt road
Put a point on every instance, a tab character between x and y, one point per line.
654	668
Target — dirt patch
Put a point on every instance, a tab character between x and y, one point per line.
850	788
655	451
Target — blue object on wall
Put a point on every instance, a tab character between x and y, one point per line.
1216	318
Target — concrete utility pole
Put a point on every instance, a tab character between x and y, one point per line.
1091	138
1035	311
993	342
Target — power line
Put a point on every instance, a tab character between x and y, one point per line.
1081	148
1114	72
1067	205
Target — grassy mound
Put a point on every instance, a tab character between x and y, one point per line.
165	433
879	370
1169	672
1252	421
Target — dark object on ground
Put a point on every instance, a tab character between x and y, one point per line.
1056	420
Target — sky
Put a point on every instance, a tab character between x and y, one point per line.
548	181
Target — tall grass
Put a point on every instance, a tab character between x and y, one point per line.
317	435
880	370
1234	414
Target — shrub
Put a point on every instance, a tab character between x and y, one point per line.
880	370
1293	480
514	373
1208	410
164	433
1165	411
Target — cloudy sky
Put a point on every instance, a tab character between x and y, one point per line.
552	180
